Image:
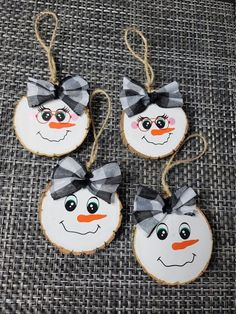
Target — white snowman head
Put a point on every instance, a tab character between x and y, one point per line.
153	124
53	120
172	242
81	212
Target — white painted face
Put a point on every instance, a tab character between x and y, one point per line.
50	129
177	251
79	223
156	132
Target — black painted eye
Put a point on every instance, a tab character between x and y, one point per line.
71	203
60	115
44	116
145	124
184	230
162	231
92	205
160	122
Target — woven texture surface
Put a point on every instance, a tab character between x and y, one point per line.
190	41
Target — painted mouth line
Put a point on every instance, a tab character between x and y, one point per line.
47	139
157	143
175	265
80	233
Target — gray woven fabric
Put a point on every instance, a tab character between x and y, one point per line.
191	42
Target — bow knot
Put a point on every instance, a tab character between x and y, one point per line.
154	97
71	90
58	91
70	176
135	99
87	178
150	208
167	208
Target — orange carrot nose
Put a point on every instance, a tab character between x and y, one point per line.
89	218
60	125
161	131
182	245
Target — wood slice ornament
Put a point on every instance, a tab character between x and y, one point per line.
80	210
172	240
53	119
153	123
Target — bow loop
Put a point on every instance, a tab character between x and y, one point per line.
135	99
70	176
73	91
150	208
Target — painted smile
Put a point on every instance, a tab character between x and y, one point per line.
80	233
150	142
50	140
176	265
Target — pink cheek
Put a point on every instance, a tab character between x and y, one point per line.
171	121
74	116
32	116
134	125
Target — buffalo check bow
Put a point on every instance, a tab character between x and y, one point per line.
150	208
73	91
135	99
70	176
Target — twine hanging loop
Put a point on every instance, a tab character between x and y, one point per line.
48	48
94	151
142	58
170	164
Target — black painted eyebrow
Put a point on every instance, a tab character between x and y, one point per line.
65	109
140	118
41	108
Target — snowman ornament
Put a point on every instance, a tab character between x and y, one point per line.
153	124
172	239
53	119
80	210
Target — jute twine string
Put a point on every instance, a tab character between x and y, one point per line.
48	48
94	151
142	58
170	164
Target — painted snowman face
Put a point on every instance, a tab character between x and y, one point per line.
81	222
177	251
156	132
50	129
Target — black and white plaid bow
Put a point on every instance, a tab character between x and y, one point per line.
150	208
71	90
135	99
70	176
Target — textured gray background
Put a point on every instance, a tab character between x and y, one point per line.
190	41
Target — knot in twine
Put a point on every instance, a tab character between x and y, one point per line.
48	48
170	164
142	58
94	151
